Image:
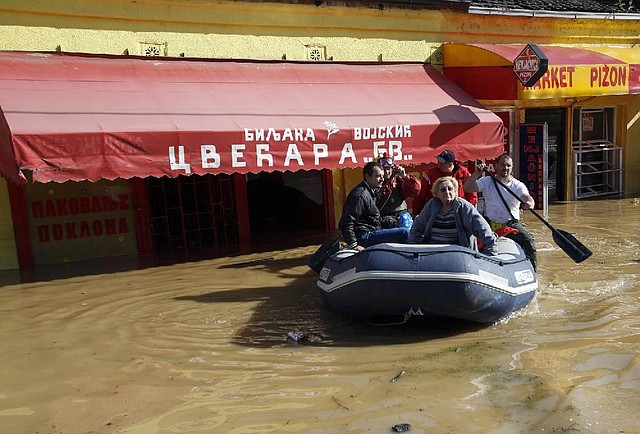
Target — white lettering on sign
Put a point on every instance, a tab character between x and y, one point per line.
394	149
529	64
347	152
293	154
388	132
320	150
210	158
237	154
180	163
302	152
262	155
273	135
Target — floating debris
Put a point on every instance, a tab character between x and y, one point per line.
339	403
401	427
397	377
296	336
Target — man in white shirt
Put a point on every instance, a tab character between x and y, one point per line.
501	207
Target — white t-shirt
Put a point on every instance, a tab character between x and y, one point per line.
494	208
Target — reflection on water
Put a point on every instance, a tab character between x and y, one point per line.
201	347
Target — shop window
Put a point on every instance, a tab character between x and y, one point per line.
192	213
597	160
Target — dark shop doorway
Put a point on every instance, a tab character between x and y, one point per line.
285	204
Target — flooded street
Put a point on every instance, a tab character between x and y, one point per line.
201	347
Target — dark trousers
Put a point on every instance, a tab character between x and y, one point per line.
526	241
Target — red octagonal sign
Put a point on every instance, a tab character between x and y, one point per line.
530	65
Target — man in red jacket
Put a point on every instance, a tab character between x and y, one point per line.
447	166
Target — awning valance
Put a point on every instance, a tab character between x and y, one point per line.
485	71
76	117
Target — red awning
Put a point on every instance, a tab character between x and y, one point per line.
75	117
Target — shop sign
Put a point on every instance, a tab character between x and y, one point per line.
580	80
530	65
76	221
305	149
533	161
78	216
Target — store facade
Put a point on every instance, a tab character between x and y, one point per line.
586	99
107	156
165	193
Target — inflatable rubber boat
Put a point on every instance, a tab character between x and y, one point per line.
404	280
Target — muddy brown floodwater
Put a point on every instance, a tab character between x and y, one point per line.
200	347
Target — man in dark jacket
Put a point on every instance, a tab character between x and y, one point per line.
360	222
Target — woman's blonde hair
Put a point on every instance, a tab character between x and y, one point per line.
439	181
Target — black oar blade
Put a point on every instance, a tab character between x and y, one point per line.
571	246
327	249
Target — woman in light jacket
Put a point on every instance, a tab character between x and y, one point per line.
449	219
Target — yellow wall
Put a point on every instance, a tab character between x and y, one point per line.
343	181
8	258
236	29
219	29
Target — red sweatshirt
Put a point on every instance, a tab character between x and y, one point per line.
460	173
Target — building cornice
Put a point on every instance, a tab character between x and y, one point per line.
551	14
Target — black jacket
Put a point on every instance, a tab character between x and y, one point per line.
360	214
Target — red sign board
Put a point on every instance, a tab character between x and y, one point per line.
530	65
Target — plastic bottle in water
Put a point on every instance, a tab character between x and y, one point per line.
405	220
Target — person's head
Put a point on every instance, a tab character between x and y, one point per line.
373	174
446	189
504	165
387	165
446	161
